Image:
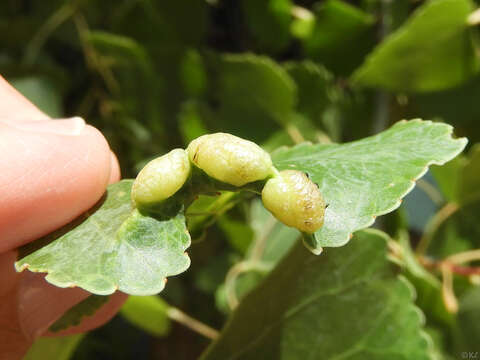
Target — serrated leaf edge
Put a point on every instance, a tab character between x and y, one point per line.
50	277
448	133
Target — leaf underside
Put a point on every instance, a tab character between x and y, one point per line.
366	178
114	247
348	303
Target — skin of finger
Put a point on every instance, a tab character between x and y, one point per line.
36	316
44	318
14	106
13	342
48	180
101	316
115	173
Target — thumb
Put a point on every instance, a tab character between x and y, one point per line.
52	171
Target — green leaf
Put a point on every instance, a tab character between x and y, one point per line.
191	121
149	313
341	37
459	232
457	106
254	93
269	22
367	178
58	348
346	304
467	332
459	179
206	209
75	315
121	49
42	93
316	95
271	242
238	233
247	80
448	176
113	247
432	51
272	239
469	186
193	74
427	286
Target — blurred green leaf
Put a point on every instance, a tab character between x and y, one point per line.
121	50
271	241
459	232
342	36
58	348
317	95
148	313
255	95
212	275
75	315
469	185
269	22
448	177
238	233
432	51
303	22
42	93
113	247
459	179
352	299
191	121
467	332
205	210
428	287
193	73
456	106
366	178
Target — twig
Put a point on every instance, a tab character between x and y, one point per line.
193	324
449	298
432	226
431	191
232	275
295	134
92	58
463	257
450	266
456	269
41	36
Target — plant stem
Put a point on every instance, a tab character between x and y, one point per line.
448	294
430	191
464	257
232	275
456	269
41	36
295	134
193	324
432	226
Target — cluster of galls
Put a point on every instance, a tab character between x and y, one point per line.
289	195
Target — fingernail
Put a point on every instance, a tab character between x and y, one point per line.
70	127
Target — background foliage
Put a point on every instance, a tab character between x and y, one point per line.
152	75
